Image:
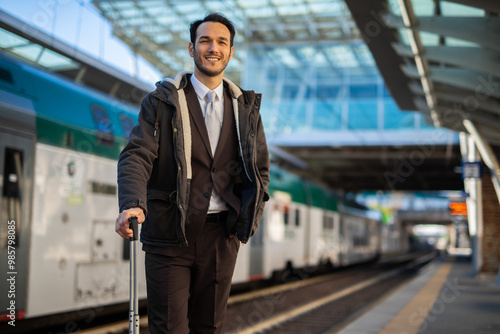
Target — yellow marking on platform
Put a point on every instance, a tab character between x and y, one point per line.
297	311
413	315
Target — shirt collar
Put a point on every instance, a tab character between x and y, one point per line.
202	90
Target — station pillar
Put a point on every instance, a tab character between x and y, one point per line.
483	204
491	225
473	188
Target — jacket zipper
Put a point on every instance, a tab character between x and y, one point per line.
254	139
241	151
180	205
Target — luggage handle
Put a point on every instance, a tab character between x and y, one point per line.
134	297
134	226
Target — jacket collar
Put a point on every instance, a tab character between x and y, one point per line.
168	85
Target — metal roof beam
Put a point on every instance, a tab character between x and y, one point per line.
460	96
455	111
410	22
476	59
487	5
299	26
325	157
480	30
479	84
280	43
452	118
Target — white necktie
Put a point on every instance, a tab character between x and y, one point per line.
212	121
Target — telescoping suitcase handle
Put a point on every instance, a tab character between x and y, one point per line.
134	225
134	297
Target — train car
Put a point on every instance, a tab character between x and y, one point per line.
306	226
59	142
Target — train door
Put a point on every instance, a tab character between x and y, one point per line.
342	241
16	173
257	250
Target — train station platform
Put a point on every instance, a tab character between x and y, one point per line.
443	298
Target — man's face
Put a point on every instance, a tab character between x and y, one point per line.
212	50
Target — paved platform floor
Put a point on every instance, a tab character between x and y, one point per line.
443	299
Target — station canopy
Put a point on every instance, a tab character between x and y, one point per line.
284	30
438	57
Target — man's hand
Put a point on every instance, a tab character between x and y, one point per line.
122	223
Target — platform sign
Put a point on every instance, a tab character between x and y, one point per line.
458	209
471	170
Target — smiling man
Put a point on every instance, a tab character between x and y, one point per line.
195	172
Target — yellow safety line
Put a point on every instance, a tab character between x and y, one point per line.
275	320
413	315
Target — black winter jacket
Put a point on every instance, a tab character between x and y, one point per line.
155	164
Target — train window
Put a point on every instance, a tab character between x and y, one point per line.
11	196
102	188
70	139
6	76
297	217
127	124
286	215
103	125
327	222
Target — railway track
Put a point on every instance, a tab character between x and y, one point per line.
319	304
316	305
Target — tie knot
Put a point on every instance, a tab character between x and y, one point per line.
211	96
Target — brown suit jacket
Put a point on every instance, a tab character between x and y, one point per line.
219	171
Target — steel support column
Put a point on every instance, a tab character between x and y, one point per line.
473	187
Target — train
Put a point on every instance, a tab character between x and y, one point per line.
59	144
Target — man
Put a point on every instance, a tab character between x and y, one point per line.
195	171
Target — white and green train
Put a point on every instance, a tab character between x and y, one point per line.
59	143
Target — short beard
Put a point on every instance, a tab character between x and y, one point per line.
198	62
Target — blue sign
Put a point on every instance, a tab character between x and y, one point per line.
471	170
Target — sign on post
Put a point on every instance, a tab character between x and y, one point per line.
471	170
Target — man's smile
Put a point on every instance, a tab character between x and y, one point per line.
212	58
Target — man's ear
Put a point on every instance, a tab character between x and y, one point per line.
231	53
191	49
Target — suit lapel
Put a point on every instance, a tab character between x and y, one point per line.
226	124
197	115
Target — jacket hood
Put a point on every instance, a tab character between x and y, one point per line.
168	87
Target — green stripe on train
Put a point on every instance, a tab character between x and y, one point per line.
78	139
302	191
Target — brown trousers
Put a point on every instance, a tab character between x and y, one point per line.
188	293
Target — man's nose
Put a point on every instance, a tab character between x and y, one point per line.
212	46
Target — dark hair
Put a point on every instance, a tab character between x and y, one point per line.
212	17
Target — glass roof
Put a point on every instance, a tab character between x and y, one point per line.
290	31
34	53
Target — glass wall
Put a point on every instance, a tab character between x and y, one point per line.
316	94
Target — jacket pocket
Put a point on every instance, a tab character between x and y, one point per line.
163	219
